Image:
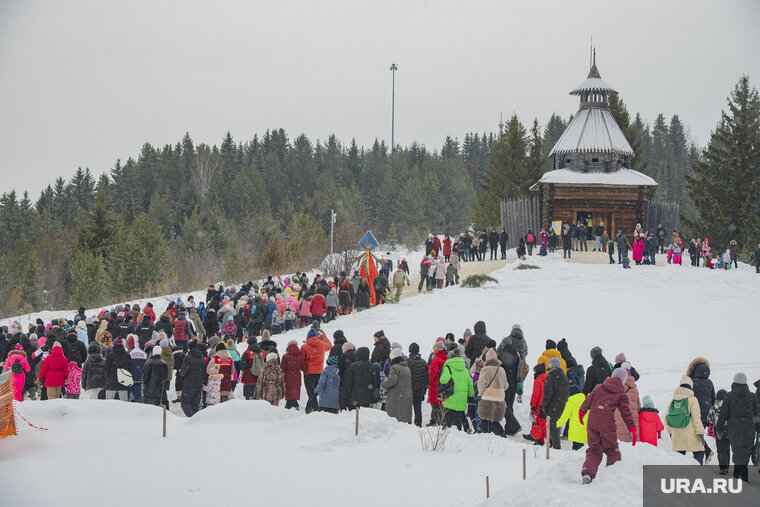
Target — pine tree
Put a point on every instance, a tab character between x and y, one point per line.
552	132
450	148
536	159
138	260
725	185
620	113
88	279
507	175
99	232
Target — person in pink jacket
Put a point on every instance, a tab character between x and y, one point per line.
440	273
638	249
17	379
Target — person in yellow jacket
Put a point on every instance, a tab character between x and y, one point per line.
551	351
577	434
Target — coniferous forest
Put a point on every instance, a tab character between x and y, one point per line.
178	217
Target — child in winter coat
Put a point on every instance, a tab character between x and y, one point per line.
650	424
328	387
73	381
17	364
721	441
577	432
271	384
538	431
602	438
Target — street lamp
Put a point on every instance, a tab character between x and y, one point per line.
394	68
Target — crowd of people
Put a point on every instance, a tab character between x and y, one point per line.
470	383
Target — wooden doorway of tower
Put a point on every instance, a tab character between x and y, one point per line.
594	217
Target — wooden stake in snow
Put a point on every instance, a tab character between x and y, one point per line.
488	488
164	407
356	430
524	453
548	439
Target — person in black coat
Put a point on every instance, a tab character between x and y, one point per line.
757	258
477	342
193	371
382	350
419	369
144	331
493	243
362	380
164	324
503	237
117	359
598	372
704	391
155	373
72	351
555	396
381	288
739	419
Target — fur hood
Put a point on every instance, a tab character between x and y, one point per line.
19	352
694	363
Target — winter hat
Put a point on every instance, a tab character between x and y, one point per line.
467	333
554	362
130	342
573	389
339	337
720	394
626	366
315	324
551	344
273	355
156	351
164	343
539	368
740	378
570	362
379	334
455	352
686	381
396	345
480	327
620	374
516	326
596	352
18	347
414	348
438	345
192	345
620	358
82	325
347	346
220	346
58	344
330	360
450	337
490	355
647	402
311	333
395	353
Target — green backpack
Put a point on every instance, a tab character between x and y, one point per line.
678	415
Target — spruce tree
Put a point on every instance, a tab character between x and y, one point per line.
725	185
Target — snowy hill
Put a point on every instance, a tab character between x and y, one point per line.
660	317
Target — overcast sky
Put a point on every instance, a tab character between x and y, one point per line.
83	83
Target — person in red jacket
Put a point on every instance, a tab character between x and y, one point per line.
318	307
252	362
437	245
182	331
54	370
446	248
538	431
650	424
292	364
434	372
150	312
313	352
602	436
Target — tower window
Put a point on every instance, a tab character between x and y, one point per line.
595	159
567	160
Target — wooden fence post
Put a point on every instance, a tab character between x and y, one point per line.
164	412
524	453
488	489
356	430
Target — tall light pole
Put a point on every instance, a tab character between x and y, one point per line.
394	68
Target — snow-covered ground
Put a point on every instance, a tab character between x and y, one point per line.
661	317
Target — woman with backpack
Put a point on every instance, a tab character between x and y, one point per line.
17	364
683	421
